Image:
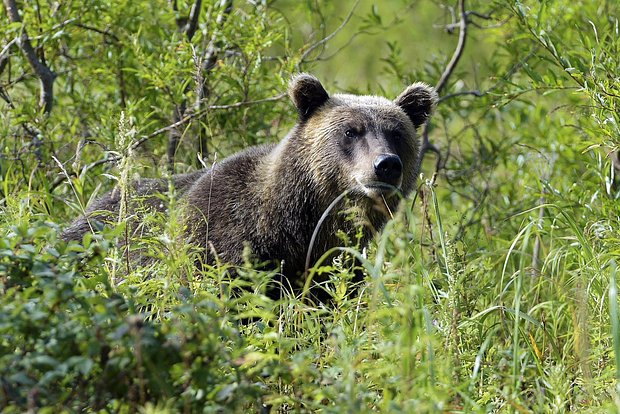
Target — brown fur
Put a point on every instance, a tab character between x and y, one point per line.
270	198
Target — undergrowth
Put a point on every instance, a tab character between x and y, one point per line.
437	327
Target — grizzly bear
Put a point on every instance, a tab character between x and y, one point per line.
271	199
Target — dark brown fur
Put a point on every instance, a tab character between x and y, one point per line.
270	198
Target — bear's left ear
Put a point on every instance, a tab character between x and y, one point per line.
418	101
307	94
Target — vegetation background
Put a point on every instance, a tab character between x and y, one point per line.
493	290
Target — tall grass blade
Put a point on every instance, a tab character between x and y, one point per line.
615	322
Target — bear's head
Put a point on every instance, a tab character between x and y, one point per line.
366	145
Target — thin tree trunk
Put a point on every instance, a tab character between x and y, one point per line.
206	63
45	74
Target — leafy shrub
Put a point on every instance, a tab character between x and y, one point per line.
70	341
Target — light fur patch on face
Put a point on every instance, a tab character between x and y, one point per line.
361	100
373	113
375	189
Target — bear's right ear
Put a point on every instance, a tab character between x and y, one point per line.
307	94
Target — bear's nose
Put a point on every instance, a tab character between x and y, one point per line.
388	168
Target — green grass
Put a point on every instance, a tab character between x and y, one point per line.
437	327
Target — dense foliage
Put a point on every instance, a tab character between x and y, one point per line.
493	289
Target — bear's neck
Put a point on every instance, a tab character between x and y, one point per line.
292	202
292	194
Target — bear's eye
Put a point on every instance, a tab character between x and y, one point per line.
350	133
395	135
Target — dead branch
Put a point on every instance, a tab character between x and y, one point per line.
458	52
443	80
327	38
44	73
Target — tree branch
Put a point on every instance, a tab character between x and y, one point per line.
461	93
458	52
105	32
174	125
330	36
192	23
443	80
211	52
44	73
204	65
206	62
4	55
197	114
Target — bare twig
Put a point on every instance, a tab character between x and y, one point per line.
177	124
327	38
45	74
479	15
452	95
105	32
471	13
5	97
458	52
191	116
4	54
445	76
246	103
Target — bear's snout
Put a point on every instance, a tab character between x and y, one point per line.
388	168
